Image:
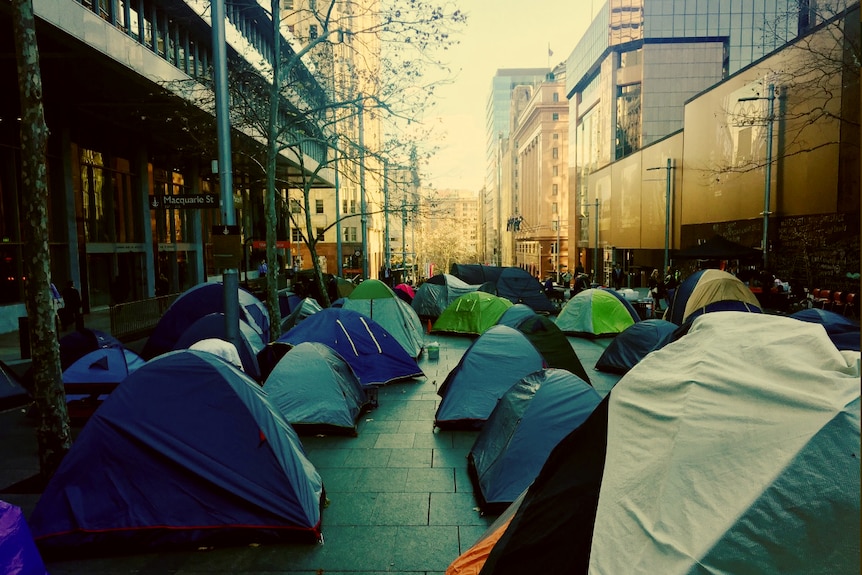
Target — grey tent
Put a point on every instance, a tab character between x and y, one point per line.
316	390
435	295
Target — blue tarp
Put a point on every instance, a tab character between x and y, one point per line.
188	451
375	356
843	331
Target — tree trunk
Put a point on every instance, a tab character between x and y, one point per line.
53	434
271	164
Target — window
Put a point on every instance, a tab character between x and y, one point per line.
318	206
555	153
555	116
555	188
312	32
350	234
320	234
554	208
296	235
343	206
555	97
295	208
556	171
352	206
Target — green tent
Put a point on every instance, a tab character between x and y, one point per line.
471	313
594	313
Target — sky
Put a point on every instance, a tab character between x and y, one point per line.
499	34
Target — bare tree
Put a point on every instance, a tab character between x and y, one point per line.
53	433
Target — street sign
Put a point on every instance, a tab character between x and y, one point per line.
184	201
261	245
227	246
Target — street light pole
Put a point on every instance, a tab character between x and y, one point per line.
770	118
667	169
596	248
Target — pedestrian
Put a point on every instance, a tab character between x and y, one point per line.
617	277
72	307
656	289
262	269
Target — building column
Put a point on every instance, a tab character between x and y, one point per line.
141	169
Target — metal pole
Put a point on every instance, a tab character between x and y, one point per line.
230	275
769	120
386	247
362	206
339	270
557	254
667	218
596	248
404	234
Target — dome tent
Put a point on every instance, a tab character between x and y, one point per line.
376	300
229	473
472	313
490	366
594	313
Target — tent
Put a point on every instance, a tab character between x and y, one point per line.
718	248
193	304
734	449
315	390
633	344
100	371
710	290
843	331
490	366
511	283
76	344
475	274
530	419
211	326
306	307
515	315
471	313
620	295
518	286
552	343
287	302
12	392
189	451
18	553
220	348
405	292
374	355
594	313
376	300
470	562
436	293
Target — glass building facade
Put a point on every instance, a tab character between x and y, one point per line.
639	61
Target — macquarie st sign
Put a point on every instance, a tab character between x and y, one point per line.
184	201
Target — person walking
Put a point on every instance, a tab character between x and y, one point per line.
617	277
656	289
72	299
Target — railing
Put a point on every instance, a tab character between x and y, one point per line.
137	319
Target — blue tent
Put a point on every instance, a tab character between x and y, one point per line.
213	326
490	366
527	423
316	390
843	331
512	283
100	371
634	343
74	345
18	554
515	315
188	451
193	304
375	356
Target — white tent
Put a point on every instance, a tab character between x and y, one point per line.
735	449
